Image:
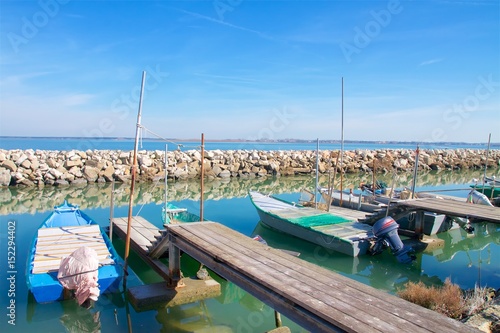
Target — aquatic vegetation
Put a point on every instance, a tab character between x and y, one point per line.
448	299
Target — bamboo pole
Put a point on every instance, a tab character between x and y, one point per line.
317	176
342	146
415	174
486	164
330	190
202	174
134	167
111	210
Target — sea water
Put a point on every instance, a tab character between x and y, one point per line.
467	260
149	144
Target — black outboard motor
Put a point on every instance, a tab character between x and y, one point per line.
386	234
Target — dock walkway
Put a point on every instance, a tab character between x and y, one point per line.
316	298
454	208
143	237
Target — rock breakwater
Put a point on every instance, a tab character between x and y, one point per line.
60	168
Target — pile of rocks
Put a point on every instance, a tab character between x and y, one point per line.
40	167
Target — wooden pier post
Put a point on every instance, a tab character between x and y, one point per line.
419	222
174	264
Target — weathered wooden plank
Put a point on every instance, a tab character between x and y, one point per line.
136	221
67	252
43	232
352	289
336	286
141	226
454	208
138	242
268	296
313	295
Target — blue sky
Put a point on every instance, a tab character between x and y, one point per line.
423	71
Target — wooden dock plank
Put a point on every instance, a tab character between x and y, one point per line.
321	276
137	241
306	288
301	288
454	208
261	271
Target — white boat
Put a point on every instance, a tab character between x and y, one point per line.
338	233
326	229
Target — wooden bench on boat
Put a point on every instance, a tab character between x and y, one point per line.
53	244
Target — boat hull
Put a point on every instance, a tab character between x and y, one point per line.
46	287
355	239
352	249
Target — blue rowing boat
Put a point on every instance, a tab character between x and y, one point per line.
64	231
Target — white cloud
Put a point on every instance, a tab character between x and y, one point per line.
430	62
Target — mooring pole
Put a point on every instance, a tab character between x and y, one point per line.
202	174
111	210
131	199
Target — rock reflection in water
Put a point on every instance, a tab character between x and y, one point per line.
19	200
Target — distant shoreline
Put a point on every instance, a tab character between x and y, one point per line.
292	141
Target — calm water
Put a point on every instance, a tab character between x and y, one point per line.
466	260
128	144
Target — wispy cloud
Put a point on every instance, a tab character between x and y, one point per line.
211	19
430	62
75	99
17	80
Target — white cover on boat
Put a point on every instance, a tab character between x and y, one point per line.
79	272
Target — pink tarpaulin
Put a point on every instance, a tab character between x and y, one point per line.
78	272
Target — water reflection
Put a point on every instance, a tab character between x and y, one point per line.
21	200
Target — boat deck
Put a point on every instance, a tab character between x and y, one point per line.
349	231
53	244
316	298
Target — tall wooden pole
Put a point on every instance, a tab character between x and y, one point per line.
317	175
134	167
342	146
486	164
202	174
111	210
415	172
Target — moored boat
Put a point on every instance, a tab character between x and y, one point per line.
67	230
342	234
323	228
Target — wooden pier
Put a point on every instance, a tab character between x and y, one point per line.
150	243
315	298
456	208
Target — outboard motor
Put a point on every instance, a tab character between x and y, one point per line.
386	234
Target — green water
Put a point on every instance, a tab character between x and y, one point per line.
466	259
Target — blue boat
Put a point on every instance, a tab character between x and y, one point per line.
65	230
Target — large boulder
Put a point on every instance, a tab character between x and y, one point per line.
5	177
